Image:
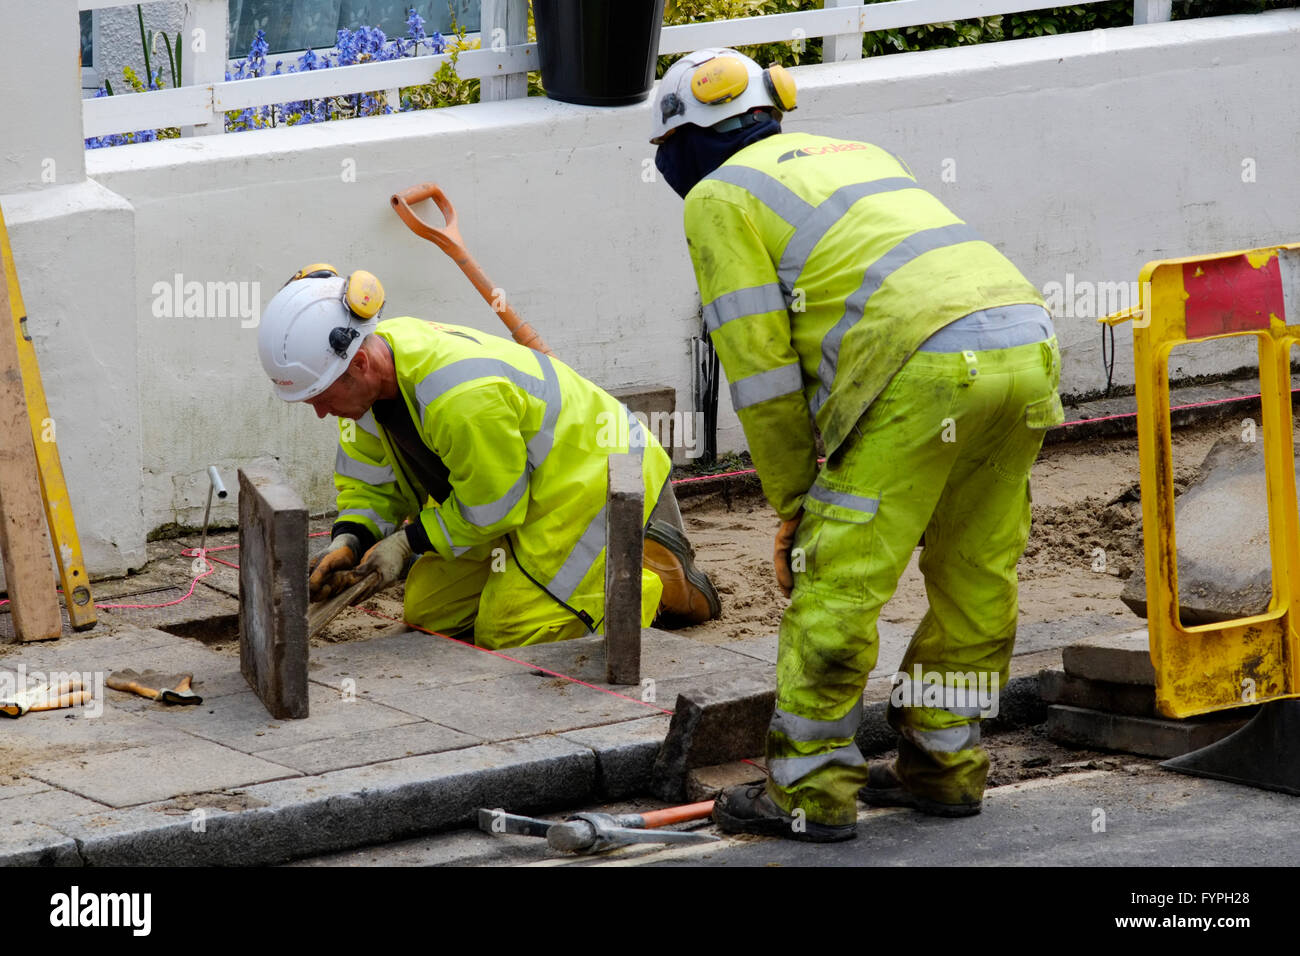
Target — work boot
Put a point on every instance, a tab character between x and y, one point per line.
747	808
689	597
885	789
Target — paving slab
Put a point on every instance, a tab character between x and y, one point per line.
240	721
392	664
104	651
40	736
518	706
1115	658
372	746
625	754
664	656
1080	727
156	772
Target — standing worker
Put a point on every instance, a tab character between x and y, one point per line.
498	456
845	300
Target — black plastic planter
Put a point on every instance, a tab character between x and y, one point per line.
598	52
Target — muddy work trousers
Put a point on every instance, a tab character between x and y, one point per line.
942	457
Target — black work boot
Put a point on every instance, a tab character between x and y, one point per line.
689	597
747	808
885	789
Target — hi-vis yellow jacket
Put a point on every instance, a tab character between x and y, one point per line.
524	438
822	266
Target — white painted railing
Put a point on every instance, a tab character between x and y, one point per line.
503	63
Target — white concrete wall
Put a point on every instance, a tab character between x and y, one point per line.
1080	156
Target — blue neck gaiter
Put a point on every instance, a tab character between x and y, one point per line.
693	152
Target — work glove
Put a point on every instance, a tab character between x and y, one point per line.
382	566
781	554
342	556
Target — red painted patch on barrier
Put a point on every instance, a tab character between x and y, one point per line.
1231	295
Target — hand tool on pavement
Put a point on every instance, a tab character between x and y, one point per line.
166	688
597	832
69	693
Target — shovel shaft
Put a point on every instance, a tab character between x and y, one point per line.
448	239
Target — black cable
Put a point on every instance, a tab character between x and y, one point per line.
1108	359
582	616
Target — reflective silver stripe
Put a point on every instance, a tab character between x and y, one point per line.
736	305
368	424
914	246
828	212
806	729
456	550
771	192
765	385
489	514
949	740
443	380
349	467
539	446
385	527
787	771
844	499
588	548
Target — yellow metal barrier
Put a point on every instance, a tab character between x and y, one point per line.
1255	292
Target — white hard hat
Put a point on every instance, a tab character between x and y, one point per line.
308	335
709	86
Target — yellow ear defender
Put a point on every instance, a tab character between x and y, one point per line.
724	78
363	293
780	84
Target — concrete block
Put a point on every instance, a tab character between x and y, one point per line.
759	648
518	706
1135	700
1222	537
719	723
625	754
1080	727
1116	658
157	772
706	783
273	592
371	746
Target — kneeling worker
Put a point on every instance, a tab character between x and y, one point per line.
496	453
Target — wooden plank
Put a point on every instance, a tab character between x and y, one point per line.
24	540
624	512
318	615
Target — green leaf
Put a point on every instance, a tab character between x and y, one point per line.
178	59
108	86
148	71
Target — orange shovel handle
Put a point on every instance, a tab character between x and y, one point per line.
448	239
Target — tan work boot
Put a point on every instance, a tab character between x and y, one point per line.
689	597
